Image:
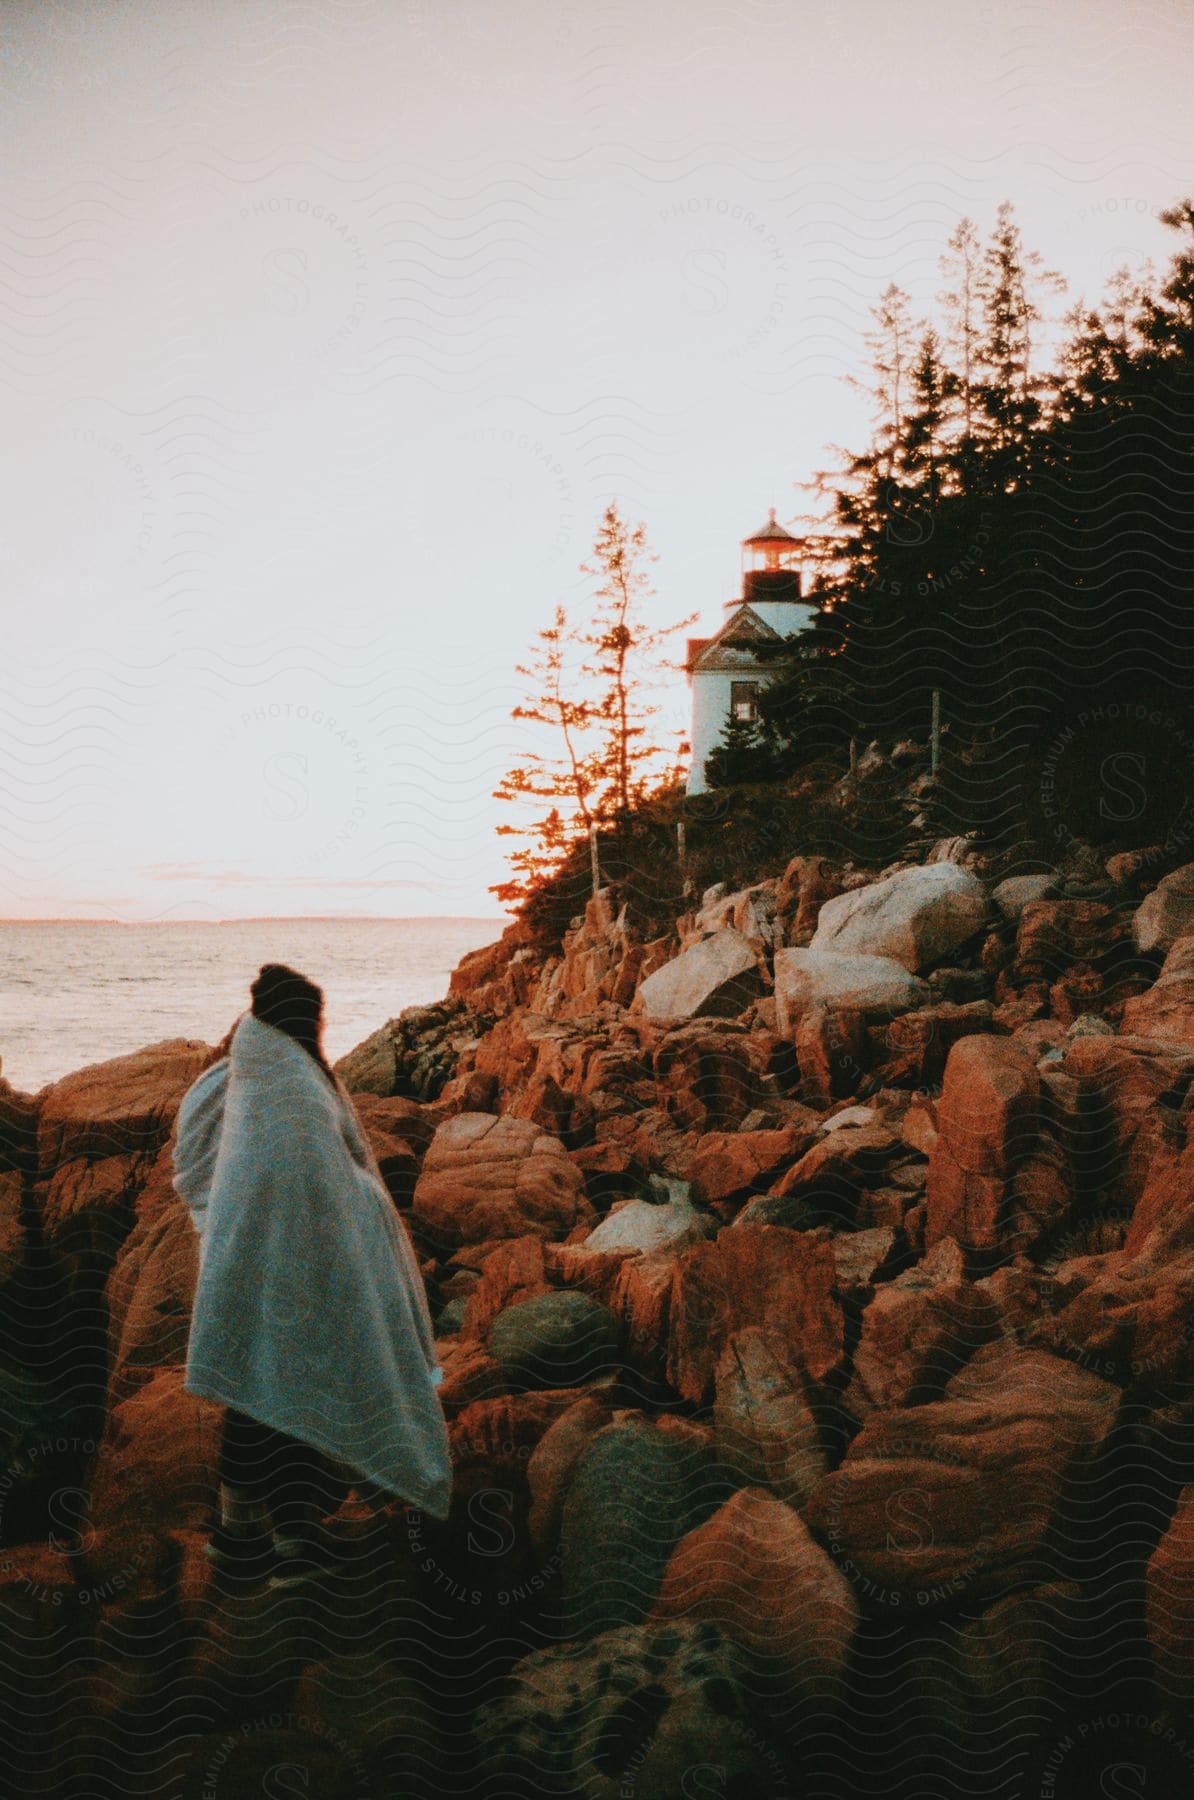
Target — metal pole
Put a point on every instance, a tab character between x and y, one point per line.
680	845
935	757
593	861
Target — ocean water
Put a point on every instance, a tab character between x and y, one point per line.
74	992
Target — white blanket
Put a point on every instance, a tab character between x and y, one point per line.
310	1313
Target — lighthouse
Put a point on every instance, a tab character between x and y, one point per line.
725	671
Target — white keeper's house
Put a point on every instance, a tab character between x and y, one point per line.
725	671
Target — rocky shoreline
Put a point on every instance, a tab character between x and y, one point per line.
815	1285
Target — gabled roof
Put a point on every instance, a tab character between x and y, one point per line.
743	625
732	646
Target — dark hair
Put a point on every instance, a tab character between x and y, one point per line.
284	998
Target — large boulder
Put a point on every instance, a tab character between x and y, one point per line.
492	1440
515	1271
1132	1092
149	1296
833	1052
554	1340
710	1073
649	1225
917	1332
785	1281
1130	1317
732	1165
643	1710
637	1487
641	1300
414	1054
371	1067
806	884
751	912
1018	891
918	1043
763	1418
967	1494
18	1128
826	1186
1128	1312
875	985
552	1462
157	1461
487	1176
117	1107
988	1119
1166	1011
754	1570
717	977
1053	934
1166	914
86	1207
916	916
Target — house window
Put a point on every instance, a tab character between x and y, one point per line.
742	701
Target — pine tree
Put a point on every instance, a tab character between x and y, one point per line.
891	346
625	658
922	451
1011	279
1166	321
741	754
960	265
566	774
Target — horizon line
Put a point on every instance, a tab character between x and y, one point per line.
262	919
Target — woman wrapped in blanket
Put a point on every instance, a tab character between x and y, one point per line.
310	1322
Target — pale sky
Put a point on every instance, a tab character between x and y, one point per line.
328	331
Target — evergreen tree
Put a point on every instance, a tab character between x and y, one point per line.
1010	283
626	660
1166	320
566	774
740	755
923	455
891	343
960	266
602	759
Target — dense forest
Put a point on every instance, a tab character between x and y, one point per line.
1021	542
1013	548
